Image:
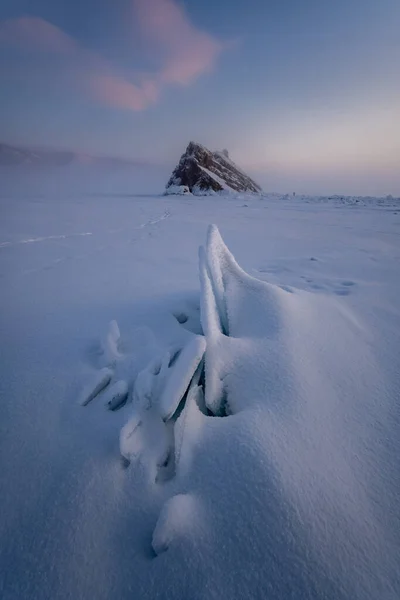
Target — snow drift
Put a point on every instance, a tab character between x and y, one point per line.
252	430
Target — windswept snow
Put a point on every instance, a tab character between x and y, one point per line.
98	383
252	446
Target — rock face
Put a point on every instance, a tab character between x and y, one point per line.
203	171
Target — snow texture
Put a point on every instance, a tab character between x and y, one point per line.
177	518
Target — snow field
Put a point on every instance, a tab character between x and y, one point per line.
269	469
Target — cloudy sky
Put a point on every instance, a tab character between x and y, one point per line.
304	92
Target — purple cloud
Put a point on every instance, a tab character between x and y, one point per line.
185	54
188	51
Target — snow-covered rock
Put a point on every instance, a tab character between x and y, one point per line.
203	171
177	190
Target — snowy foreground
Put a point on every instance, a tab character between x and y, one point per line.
252	449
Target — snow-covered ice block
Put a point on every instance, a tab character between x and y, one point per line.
145	437
246	306
217	257
188	429
99	381
150	381
211	323
116	395
238	313
177	519
143	388
110	344
182	373
210	316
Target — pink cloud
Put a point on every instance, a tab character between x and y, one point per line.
188	51
184	52
115	91
33	33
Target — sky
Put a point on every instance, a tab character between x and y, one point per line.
303	93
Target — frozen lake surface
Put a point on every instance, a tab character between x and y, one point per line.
277	475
